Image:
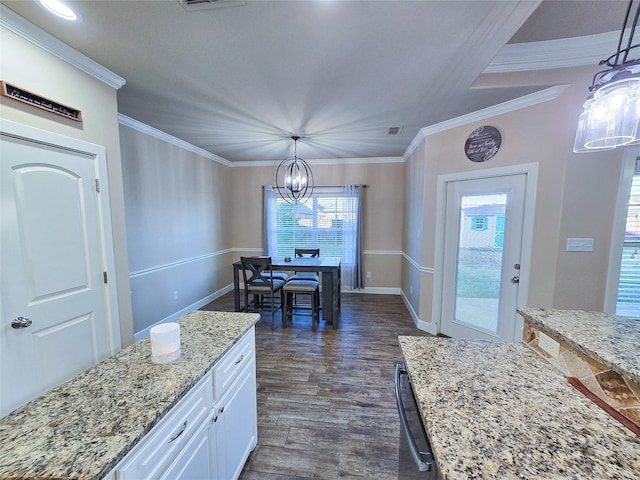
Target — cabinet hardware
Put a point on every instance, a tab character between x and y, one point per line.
184	426
240	359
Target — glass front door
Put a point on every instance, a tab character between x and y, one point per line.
483	236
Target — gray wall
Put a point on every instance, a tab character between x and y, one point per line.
177	209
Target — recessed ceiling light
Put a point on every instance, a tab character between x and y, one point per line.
60	9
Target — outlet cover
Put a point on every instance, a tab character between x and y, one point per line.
548	344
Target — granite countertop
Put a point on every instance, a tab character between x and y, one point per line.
84	427
611	339
498	410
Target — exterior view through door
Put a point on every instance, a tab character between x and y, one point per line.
483	236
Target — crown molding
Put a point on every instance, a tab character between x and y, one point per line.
47	42
489	112
566	52
323	161
160	135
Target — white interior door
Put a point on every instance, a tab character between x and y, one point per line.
54	306
484	221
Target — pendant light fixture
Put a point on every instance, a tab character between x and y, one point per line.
611	113
294	178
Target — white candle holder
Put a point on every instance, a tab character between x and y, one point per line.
165	342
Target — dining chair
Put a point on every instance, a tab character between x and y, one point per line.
296	287
306	252
258	279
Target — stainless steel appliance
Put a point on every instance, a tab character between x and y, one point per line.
415	459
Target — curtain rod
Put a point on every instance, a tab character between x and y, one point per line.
363	185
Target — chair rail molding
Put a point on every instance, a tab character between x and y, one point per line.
166	266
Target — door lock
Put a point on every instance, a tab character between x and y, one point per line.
20	322
516	266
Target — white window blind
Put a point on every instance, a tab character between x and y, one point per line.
628	301
328	221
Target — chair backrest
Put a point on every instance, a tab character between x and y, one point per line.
307	252
256	267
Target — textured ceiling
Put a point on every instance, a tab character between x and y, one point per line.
239	81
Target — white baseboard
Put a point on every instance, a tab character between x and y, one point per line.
421	324
181	313
376	290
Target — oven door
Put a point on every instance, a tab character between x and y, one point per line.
415	459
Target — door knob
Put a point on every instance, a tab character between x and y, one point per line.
20	322
515	279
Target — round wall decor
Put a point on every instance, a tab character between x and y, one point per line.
482	144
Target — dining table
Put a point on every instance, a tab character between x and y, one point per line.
327	267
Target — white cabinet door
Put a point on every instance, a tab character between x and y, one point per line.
195	461
237	427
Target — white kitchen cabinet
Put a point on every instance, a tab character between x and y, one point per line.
236	425
236	420
154	453
195	461
209	434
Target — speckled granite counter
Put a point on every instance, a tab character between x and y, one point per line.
84	427
613	340
600	350
498	410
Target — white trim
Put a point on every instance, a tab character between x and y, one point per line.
531	170
431	328
180	313
619	226
506	107
561	53
416	265
375	290
165	266
99	155
256	250
47	42
381	252
165	137
323	161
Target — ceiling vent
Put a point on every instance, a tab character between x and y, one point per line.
394	130
195	5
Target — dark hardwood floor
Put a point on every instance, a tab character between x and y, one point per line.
326	405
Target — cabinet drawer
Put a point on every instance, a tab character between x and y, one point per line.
149	458
233	362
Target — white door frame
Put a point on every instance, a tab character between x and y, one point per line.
619	223
531	170
99	153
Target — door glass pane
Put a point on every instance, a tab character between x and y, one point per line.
479	265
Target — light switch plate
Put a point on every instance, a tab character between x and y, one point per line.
579	244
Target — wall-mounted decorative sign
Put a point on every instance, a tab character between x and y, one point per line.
482	144
24	96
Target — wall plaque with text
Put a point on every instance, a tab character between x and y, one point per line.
482	144
25	96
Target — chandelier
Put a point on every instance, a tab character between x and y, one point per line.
294	178
611	112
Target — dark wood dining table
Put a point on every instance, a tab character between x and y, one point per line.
327	267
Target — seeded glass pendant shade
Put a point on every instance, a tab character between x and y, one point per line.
293	178
611	114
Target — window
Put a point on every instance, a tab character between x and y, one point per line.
628	300
328	221
479	223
